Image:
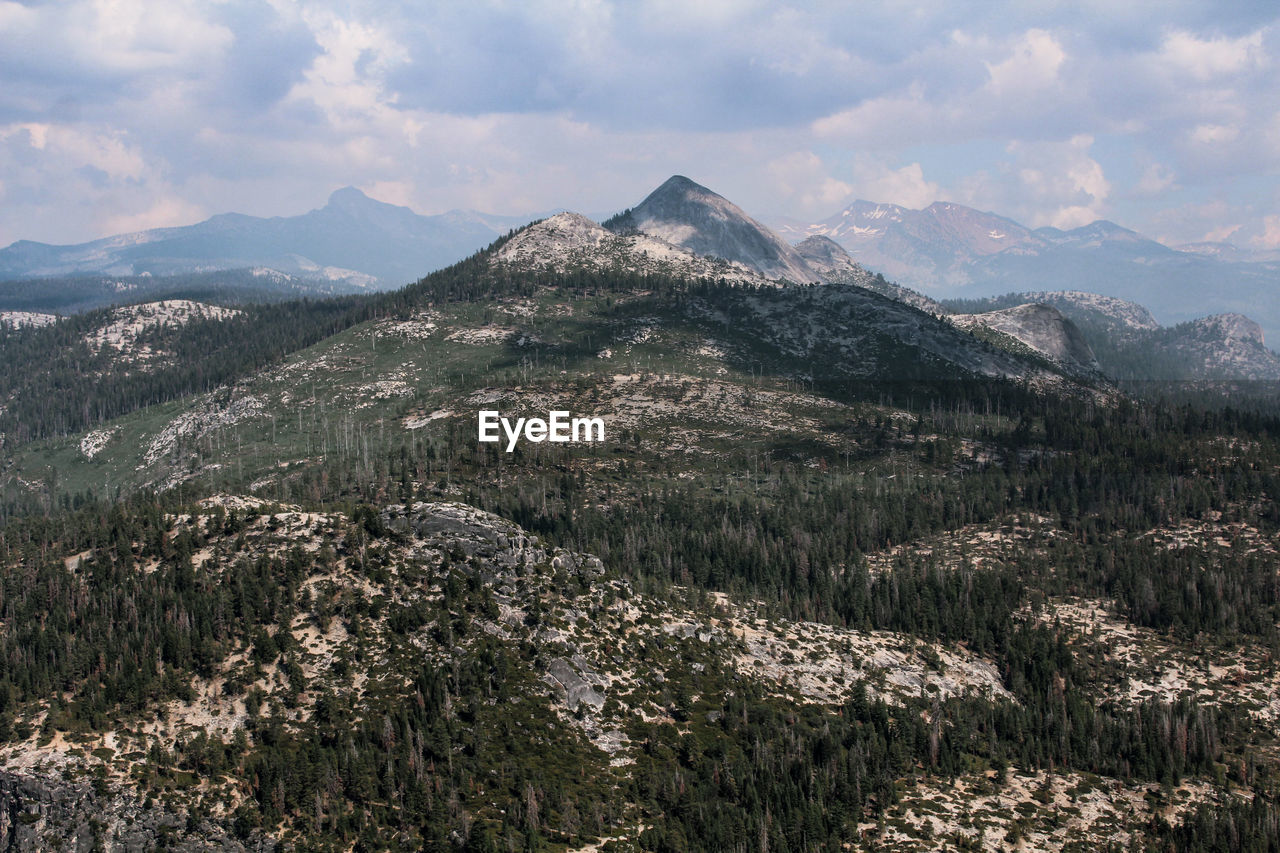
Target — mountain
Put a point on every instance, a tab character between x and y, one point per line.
828	259
352	239
1230	252
1041	327
920	248
1221	346
833	574
1118	317
78	293
1130	345
689	215
952	251
570	241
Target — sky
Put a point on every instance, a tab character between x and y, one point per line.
120	115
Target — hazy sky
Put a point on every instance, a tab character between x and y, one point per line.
118	115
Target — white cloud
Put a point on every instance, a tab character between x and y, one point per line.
1061	178
1270	236
1204	59
346	81
72	182
1214	134
885	122
802	179
1071	216
1056	183
1156	178
905	186
1031	69
681	14
392	192
74	148
164	211
117	36
130	107
1221	234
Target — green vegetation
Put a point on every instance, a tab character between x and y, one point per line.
791	453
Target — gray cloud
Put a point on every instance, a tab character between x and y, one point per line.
130	115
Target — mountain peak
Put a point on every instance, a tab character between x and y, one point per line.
1232	327
679	183
350	198
689	215
828	258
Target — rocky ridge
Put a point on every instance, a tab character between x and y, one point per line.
570	241
1041	327
689	215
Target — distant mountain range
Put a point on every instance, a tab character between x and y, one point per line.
685	229
1054	285
945	251
951	251
353	240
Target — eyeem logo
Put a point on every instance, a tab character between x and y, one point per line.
558	427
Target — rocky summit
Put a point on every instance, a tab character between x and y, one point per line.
690	215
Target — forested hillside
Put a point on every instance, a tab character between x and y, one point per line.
842	576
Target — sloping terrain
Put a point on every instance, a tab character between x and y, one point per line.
66	295
689	215
839	575
691	368
1041	327
485	668
1130	345
1117	317
17	319
570	242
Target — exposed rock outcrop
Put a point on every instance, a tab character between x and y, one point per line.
689	215
1043	328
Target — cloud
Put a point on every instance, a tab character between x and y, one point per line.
57	174
1063	180
150	113
1031	69
1214	134
803	179
164	211
1206	58
1217	220
1270	236
1221	234
904	186
1156	178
